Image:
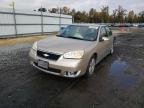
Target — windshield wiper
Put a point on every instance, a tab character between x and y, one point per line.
59	35
72	37
75	37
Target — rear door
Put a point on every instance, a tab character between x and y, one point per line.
110	38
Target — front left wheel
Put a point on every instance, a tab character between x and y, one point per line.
91	67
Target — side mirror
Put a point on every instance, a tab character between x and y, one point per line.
101	39
110	33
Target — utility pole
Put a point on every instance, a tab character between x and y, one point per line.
60	18
41	21
59	9
72	18
14	16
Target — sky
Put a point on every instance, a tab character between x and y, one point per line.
136	5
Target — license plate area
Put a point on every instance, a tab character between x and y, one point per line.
43	64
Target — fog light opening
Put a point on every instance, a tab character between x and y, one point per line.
72	74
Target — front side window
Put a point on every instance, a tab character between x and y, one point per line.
88	33
109	32
103	32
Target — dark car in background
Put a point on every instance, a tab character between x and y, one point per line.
141	25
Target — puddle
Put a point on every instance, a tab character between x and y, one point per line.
118	73
137	45
140	59
118	66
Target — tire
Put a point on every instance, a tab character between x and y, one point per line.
91	67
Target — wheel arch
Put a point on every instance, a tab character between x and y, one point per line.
95	55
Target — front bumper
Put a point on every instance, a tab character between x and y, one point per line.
62	67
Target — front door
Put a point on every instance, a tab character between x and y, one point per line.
103	43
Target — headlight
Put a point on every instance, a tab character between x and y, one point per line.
74	55
35	46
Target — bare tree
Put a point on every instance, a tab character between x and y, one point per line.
130	16
121	12
42	9
114	16
53	10
105	14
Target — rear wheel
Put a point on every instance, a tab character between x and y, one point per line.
91	67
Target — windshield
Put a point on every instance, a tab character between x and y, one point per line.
88	33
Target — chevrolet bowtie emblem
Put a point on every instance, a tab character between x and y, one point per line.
46	55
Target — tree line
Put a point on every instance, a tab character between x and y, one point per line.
119	15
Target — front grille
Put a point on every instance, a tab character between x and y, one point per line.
49	69
47	55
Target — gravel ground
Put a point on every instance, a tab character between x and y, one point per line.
117	83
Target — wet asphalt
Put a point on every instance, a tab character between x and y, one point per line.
118	81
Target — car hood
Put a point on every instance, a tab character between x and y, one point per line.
62	45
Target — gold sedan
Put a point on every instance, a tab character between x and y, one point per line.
74	52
